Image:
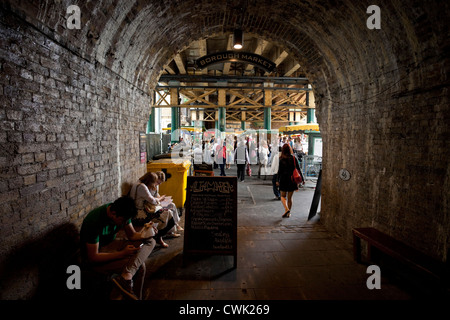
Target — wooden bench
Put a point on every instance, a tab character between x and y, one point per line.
398	250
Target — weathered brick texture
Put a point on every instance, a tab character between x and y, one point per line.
73	102
70	133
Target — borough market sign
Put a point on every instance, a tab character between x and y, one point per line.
235	56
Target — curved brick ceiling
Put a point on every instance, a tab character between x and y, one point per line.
329	38
345	62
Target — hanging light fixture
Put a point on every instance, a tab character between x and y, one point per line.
238	39
238	34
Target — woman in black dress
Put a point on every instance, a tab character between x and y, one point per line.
287	186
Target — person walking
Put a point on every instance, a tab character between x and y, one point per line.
275	162
222	157
241	159
286	166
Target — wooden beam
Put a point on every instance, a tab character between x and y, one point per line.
226	66
222	98
180	64
162	97
203	52
169	69
244	98
281	58
262	44
255	115
292	70
234	115
209	116
194	97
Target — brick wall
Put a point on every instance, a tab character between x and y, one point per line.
386	120
398	160
69	136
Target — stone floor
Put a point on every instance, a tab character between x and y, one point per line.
278	258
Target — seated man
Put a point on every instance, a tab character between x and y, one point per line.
97	236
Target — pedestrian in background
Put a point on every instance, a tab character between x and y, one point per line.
286	166
275	158
222	157
241	159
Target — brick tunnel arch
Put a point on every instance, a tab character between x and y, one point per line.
381	97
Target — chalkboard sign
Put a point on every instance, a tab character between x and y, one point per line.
211	216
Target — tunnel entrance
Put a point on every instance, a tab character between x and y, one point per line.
230	99
75	100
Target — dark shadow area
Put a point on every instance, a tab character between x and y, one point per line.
219	264
43	260
193	267
421	286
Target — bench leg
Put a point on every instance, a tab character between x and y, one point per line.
373	253
357	248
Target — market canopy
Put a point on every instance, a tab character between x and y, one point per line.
299	128
190	129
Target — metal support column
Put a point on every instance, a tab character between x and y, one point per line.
267	109
175	124
310	112
151	121
310	116
221	121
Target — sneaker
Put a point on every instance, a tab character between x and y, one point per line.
126	286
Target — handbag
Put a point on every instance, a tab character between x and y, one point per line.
152	211
296	175
249	170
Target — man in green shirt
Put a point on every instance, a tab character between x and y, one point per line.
99	250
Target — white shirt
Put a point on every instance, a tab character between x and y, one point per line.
141	194
275	162
263	155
